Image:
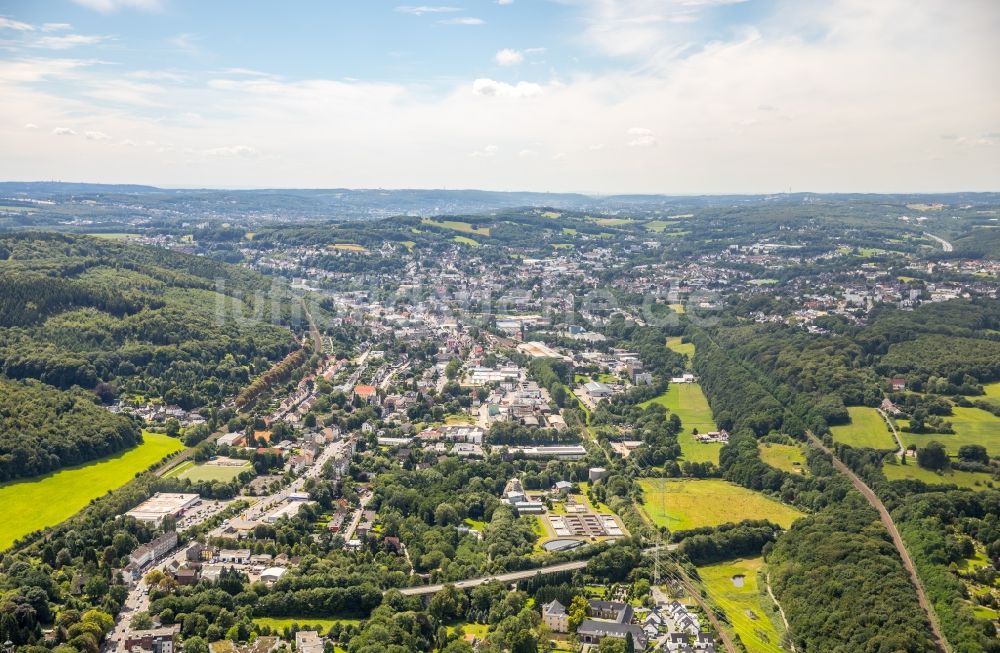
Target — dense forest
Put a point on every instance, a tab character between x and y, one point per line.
85	321
42	429
843	587
134	321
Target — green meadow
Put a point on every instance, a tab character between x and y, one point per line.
972	426
681	504
788	457
748	610
46	500
911	471
866	429
689	403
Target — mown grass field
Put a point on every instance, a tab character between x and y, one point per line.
203	472
46	500
455	225
911	471
972	426
788	457
690	404
280	623
866	429
681	504
758	632
465	240
698	452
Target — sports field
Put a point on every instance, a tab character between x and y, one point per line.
46	500
972	426
748	609
689	403
203	472
787	457
971	480
866	429
682	504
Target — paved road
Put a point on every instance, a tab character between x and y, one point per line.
503	578
941	643
895	434
945	245
512	576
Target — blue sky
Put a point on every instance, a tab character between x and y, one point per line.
588	95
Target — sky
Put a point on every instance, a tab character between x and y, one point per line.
596	96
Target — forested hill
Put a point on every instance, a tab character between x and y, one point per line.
108	321
42	429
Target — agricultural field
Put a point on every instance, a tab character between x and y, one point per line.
681	504
787	457
205	472
866	429
972	426
689	403
46	500
733	586
350	247
455	225
465	240
911	471
280	623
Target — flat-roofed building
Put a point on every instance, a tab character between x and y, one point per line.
163	504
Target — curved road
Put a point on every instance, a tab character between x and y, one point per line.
945	245
897	539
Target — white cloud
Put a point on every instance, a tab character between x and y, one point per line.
492	88
464	20
831	73
186	42
128	143
641	137
95	136
559	156
232	151
108	6
527	154
505	2
66	42
508	57
63	131
596	147
7	23
488	151
32	126
420	10
56	27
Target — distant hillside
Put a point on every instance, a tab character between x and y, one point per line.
118	200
